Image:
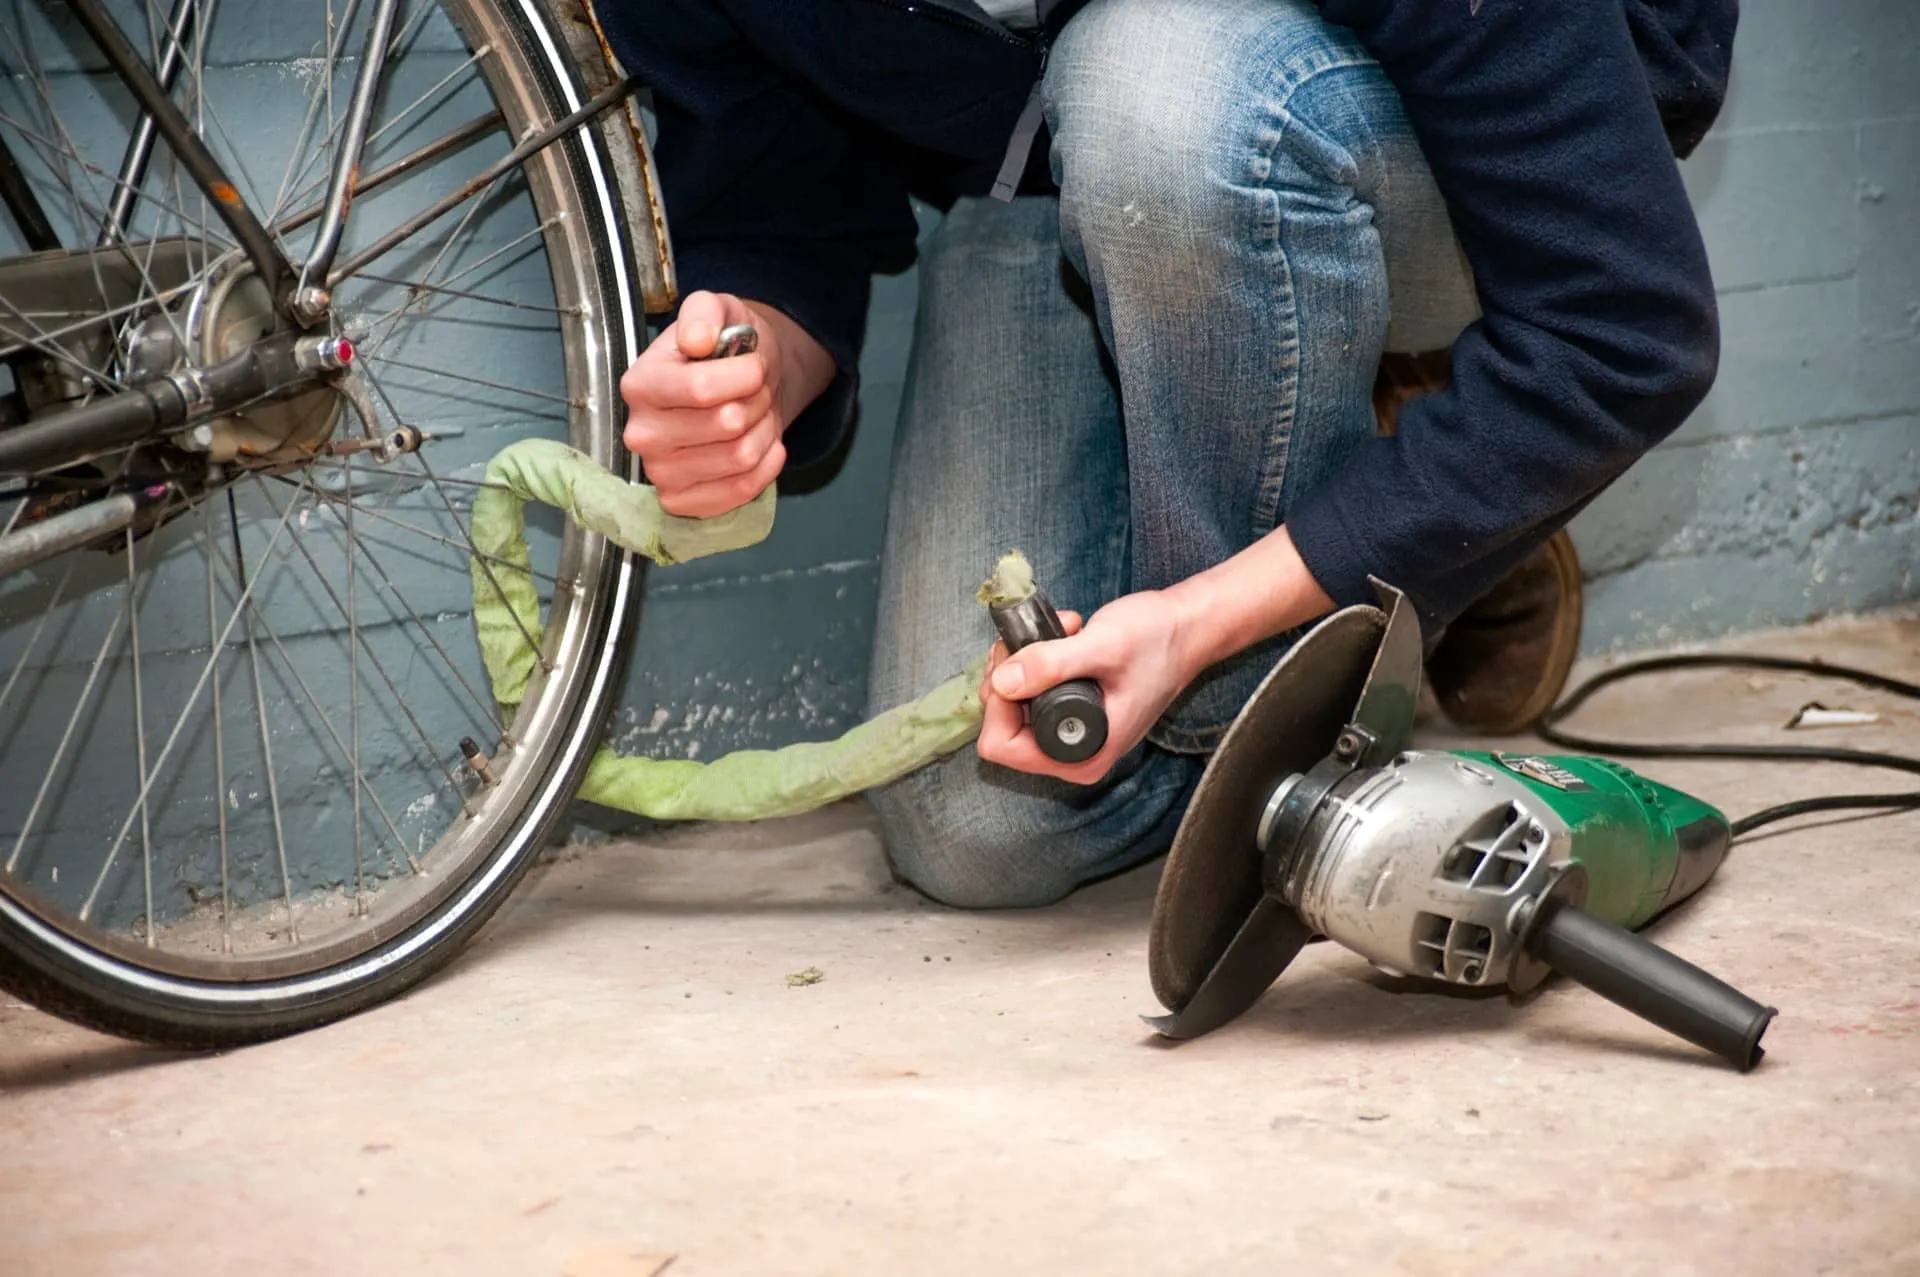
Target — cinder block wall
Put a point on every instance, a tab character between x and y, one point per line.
1790	495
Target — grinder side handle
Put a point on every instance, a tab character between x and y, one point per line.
1662	987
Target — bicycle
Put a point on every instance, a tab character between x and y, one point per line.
259	281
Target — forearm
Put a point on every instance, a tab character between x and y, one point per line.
1262	591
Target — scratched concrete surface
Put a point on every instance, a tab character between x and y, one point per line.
620	1075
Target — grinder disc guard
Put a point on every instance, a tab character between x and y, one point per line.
1219	937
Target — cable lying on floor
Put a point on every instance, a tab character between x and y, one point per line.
1549	730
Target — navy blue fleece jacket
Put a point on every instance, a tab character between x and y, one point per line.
791	134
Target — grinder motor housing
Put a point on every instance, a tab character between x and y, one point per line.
1433	864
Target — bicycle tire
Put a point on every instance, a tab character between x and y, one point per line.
88	980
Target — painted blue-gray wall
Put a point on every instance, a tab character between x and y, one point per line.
1790	495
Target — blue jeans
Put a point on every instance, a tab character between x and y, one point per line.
1132	382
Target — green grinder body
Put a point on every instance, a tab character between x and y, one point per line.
1645	846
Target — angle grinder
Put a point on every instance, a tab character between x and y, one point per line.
1472	868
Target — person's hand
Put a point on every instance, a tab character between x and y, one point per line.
1134	648
1143	649
709	431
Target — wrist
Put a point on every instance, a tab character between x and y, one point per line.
1262	591
803	368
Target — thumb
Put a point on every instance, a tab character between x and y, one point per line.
1038	666
697	330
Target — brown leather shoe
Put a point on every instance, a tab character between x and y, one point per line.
1402	378
1503	663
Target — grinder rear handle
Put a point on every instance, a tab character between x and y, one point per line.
1069	720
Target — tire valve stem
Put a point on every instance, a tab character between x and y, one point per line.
482	765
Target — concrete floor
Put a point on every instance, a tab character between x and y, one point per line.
620	1077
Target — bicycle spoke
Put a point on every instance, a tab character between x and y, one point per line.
412	481
167	55
52	156
53	335
472	60
484	560
33	640
219	727
43	143
66	735
393	591
55	152
53	350
483	181
140	731
442	289
390	317
402	42
173	737
353	696
473	129
260	712
255	621
393	688
477	381
316	96
384	129
371	513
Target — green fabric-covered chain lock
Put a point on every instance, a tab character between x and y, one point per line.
751	784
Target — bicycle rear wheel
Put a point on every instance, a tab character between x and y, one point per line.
235	799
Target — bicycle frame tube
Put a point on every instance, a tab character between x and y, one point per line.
19	198
133	165
346	162
479	126
193	154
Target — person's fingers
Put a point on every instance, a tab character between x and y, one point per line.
667	383
702	316
681	468
705	500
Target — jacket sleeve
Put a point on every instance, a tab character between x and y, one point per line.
1599	331
771	192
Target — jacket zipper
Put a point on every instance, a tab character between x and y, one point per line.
940	13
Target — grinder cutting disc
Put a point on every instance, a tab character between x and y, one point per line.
1210	891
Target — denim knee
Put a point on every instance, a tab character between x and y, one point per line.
1162	111
972	847
976	836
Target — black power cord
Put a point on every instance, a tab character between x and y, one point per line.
1549	731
